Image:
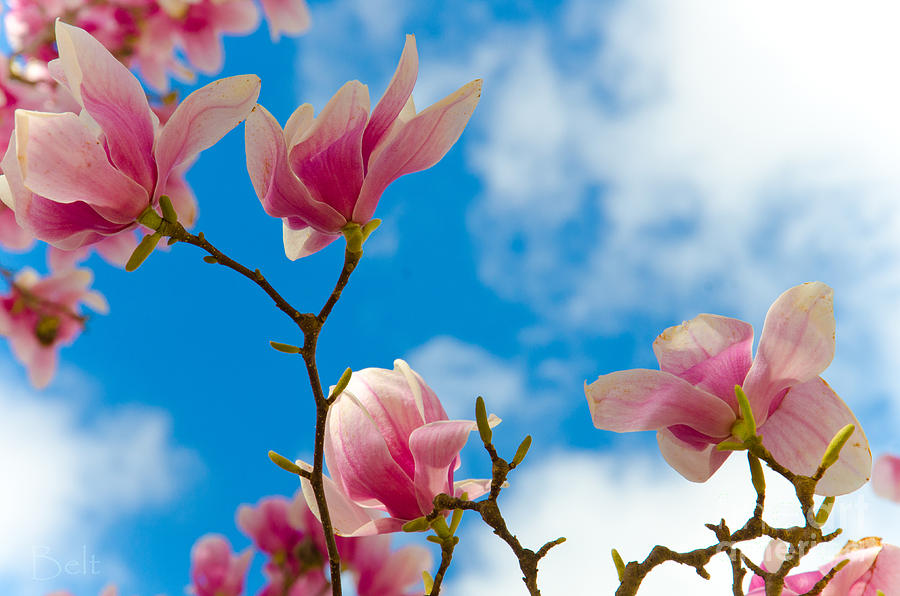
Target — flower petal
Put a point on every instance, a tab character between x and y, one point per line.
697	465
347	518
280	191
286	16
201	120
886	477
869	570
796	345
800	429
709	351
417	145
635	400
398	92
328	159
473	487
435	447
113	97
305	241
361	463
402	568
60	159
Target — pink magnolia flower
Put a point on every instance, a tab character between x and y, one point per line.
215	571
40	315
76	179
691	404
390	448
873	566
379	571
886	477
319	174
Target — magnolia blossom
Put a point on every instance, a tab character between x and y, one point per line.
74	180
215	571
379	571
886	477
38	316
145	34
873	567
691	402
390	448
295	543
319	174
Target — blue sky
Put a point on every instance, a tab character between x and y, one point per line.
629	167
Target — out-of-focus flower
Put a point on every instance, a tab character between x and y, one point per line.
873	567
215	570
319	174
145	34
76	179
38	316
691	403
294	542
286	16
379	571
886	477
390	448
108	591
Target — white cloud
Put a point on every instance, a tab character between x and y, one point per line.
459	372
68	477
632	502
652	159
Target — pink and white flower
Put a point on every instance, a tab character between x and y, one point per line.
319	174
873	567
38	316
215	570
691	404
886	477
74	180
390	449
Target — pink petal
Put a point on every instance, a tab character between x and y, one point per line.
799	430
796	345
435	447
709	351
329	159
286	16
402	569
280	191
298	123
472	487
204	50
60	159
417	145
347	518
398	92
869	570
42	367
697	465
634	400
362	464
12	236
204	117
304	242
886	477
117	249
114	99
